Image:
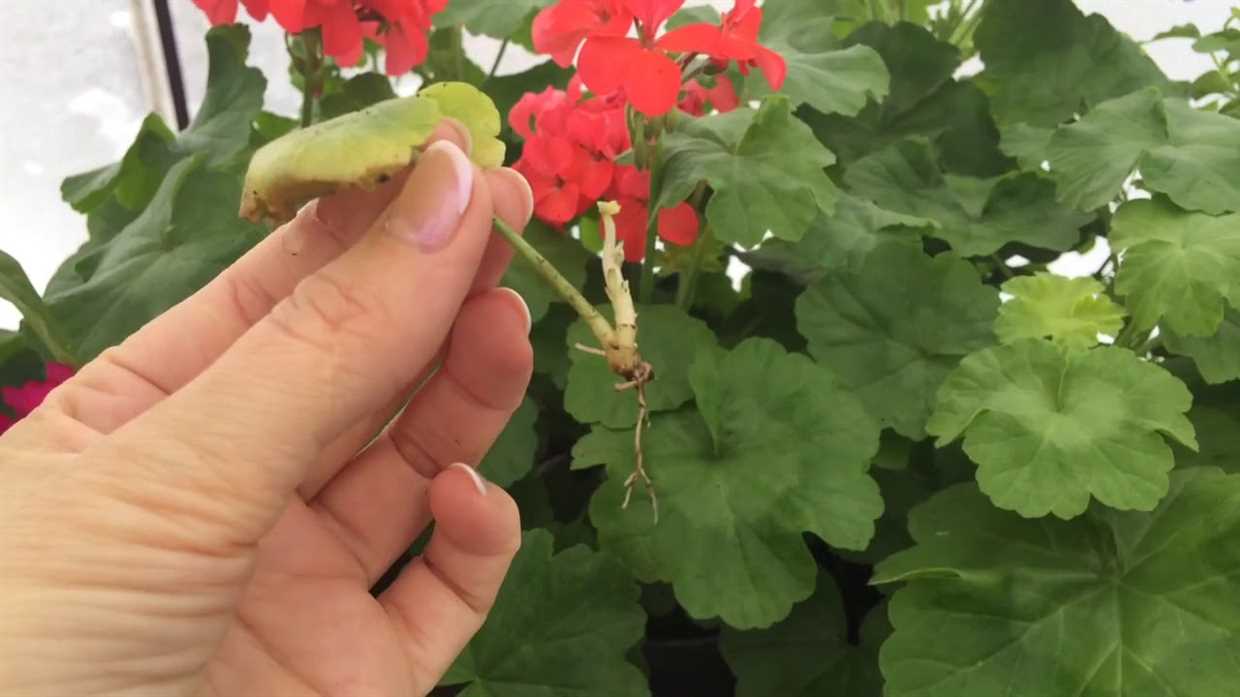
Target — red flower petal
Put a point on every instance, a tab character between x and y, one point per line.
559	29
559	205
256	8
691	38
723	94
631	228
342	32
404	49
631	182
592	175
773	67
218	11
289	14
653	13
679	224
652	83
605	61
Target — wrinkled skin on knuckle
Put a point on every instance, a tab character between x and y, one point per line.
334	318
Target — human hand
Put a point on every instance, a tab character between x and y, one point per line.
198	511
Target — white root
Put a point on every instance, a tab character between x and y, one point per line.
622	354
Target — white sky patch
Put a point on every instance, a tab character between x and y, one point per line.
117	120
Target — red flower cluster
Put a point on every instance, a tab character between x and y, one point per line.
400	26
569	156
640	68
23	399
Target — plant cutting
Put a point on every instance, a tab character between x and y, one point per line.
934	392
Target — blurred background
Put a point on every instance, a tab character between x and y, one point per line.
81	75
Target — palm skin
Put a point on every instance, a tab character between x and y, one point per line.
203	509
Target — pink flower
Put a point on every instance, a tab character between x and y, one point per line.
23	399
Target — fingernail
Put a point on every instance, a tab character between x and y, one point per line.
479	483
525	308
429	210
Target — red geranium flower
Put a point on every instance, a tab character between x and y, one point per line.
734	39
637	67
696	96
559	29
344	25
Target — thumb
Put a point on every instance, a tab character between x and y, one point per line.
342	346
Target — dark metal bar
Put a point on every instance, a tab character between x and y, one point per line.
172	62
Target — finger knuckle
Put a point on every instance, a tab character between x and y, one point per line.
331	314
249	298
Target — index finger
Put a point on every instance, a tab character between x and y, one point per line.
342	345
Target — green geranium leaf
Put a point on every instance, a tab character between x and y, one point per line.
19	363
561	627
788	454
355	94
1218	437
1107	604
15	287
220	131
512	455
893	329
364	148
1048	428
1070	311
187	234
820	73
1045	60
498	18
765	167
667	338
1177	267
1227	40
565	254
1191	156
1179	31
1028	144
919	63
905	178
808	654
839	241
924	101
1217	356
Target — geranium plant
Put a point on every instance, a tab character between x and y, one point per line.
894	449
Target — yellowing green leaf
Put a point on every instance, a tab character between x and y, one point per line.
1049	428
1070	311
364	148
